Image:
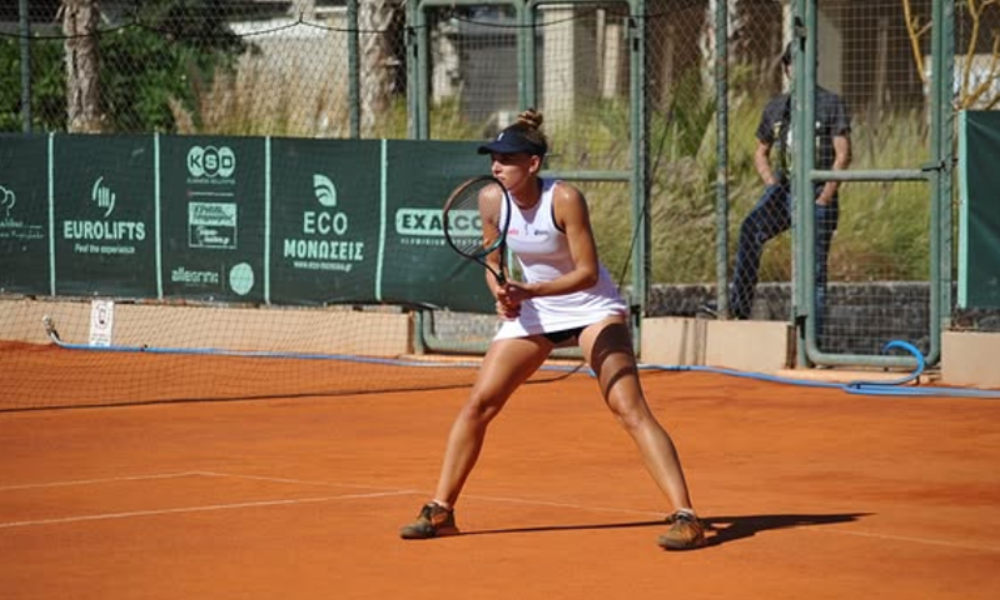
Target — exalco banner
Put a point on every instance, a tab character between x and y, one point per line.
212	197
24	216
104	216
421	264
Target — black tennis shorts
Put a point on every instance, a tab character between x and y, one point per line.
558	337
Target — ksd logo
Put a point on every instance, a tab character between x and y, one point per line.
211	161
7	199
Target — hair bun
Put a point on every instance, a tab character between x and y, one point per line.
530	118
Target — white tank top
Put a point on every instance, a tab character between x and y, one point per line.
543	254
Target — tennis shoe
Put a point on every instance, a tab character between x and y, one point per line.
433	521
686	532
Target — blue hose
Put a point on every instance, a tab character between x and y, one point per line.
870	388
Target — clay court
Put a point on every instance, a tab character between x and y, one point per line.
811	493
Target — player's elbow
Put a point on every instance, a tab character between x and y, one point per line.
589	277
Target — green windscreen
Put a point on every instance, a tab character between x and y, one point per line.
979	236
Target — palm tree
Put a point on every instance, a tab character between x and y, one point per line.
377	59
83	89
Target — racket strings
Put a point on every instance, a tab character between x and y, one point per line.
473	220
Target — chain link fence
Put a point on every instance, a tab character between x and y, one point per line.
336	69
205	66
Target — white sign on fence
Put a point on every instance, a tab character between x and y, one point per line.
102	319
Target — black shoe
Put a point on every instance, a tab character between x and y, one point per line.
433	521
686	532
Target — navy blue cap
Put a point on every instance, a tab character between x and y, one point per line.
514	141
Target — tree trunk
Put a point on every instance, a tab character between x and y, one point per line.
83	84
736	23
374	19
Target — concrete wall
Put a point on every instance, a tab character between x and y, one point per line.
319	331
756	346
970	358
862	317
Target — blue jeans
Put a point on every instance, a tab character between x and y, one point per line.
771	216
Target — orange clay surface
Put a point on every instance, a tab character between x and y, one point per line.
811	493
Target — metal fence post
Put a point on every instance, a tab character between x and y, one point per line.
353	69
722	154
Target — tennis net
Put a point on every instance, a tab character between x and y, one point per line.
98	353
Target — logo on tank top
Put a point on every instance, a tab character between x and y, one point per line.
529	231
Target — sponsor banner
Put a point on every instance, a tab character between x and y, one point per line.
103	192
212	217
24	215
335	235
979	243
325	220
419	265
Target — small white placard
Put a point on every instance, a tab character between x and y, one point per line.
102	320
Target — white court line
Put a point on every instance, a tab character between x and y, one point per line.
387	492
295	481
900	538
217	474
55	484
645	513
194	509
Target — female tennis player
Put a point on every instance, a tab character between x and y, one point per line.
567	296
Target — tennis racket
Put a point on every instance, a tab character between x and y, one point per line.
476	217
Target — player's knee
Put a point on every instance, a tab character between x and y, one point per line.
630	416
481	409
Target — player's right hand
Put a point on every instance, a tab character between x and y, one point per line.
507	311
507	306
